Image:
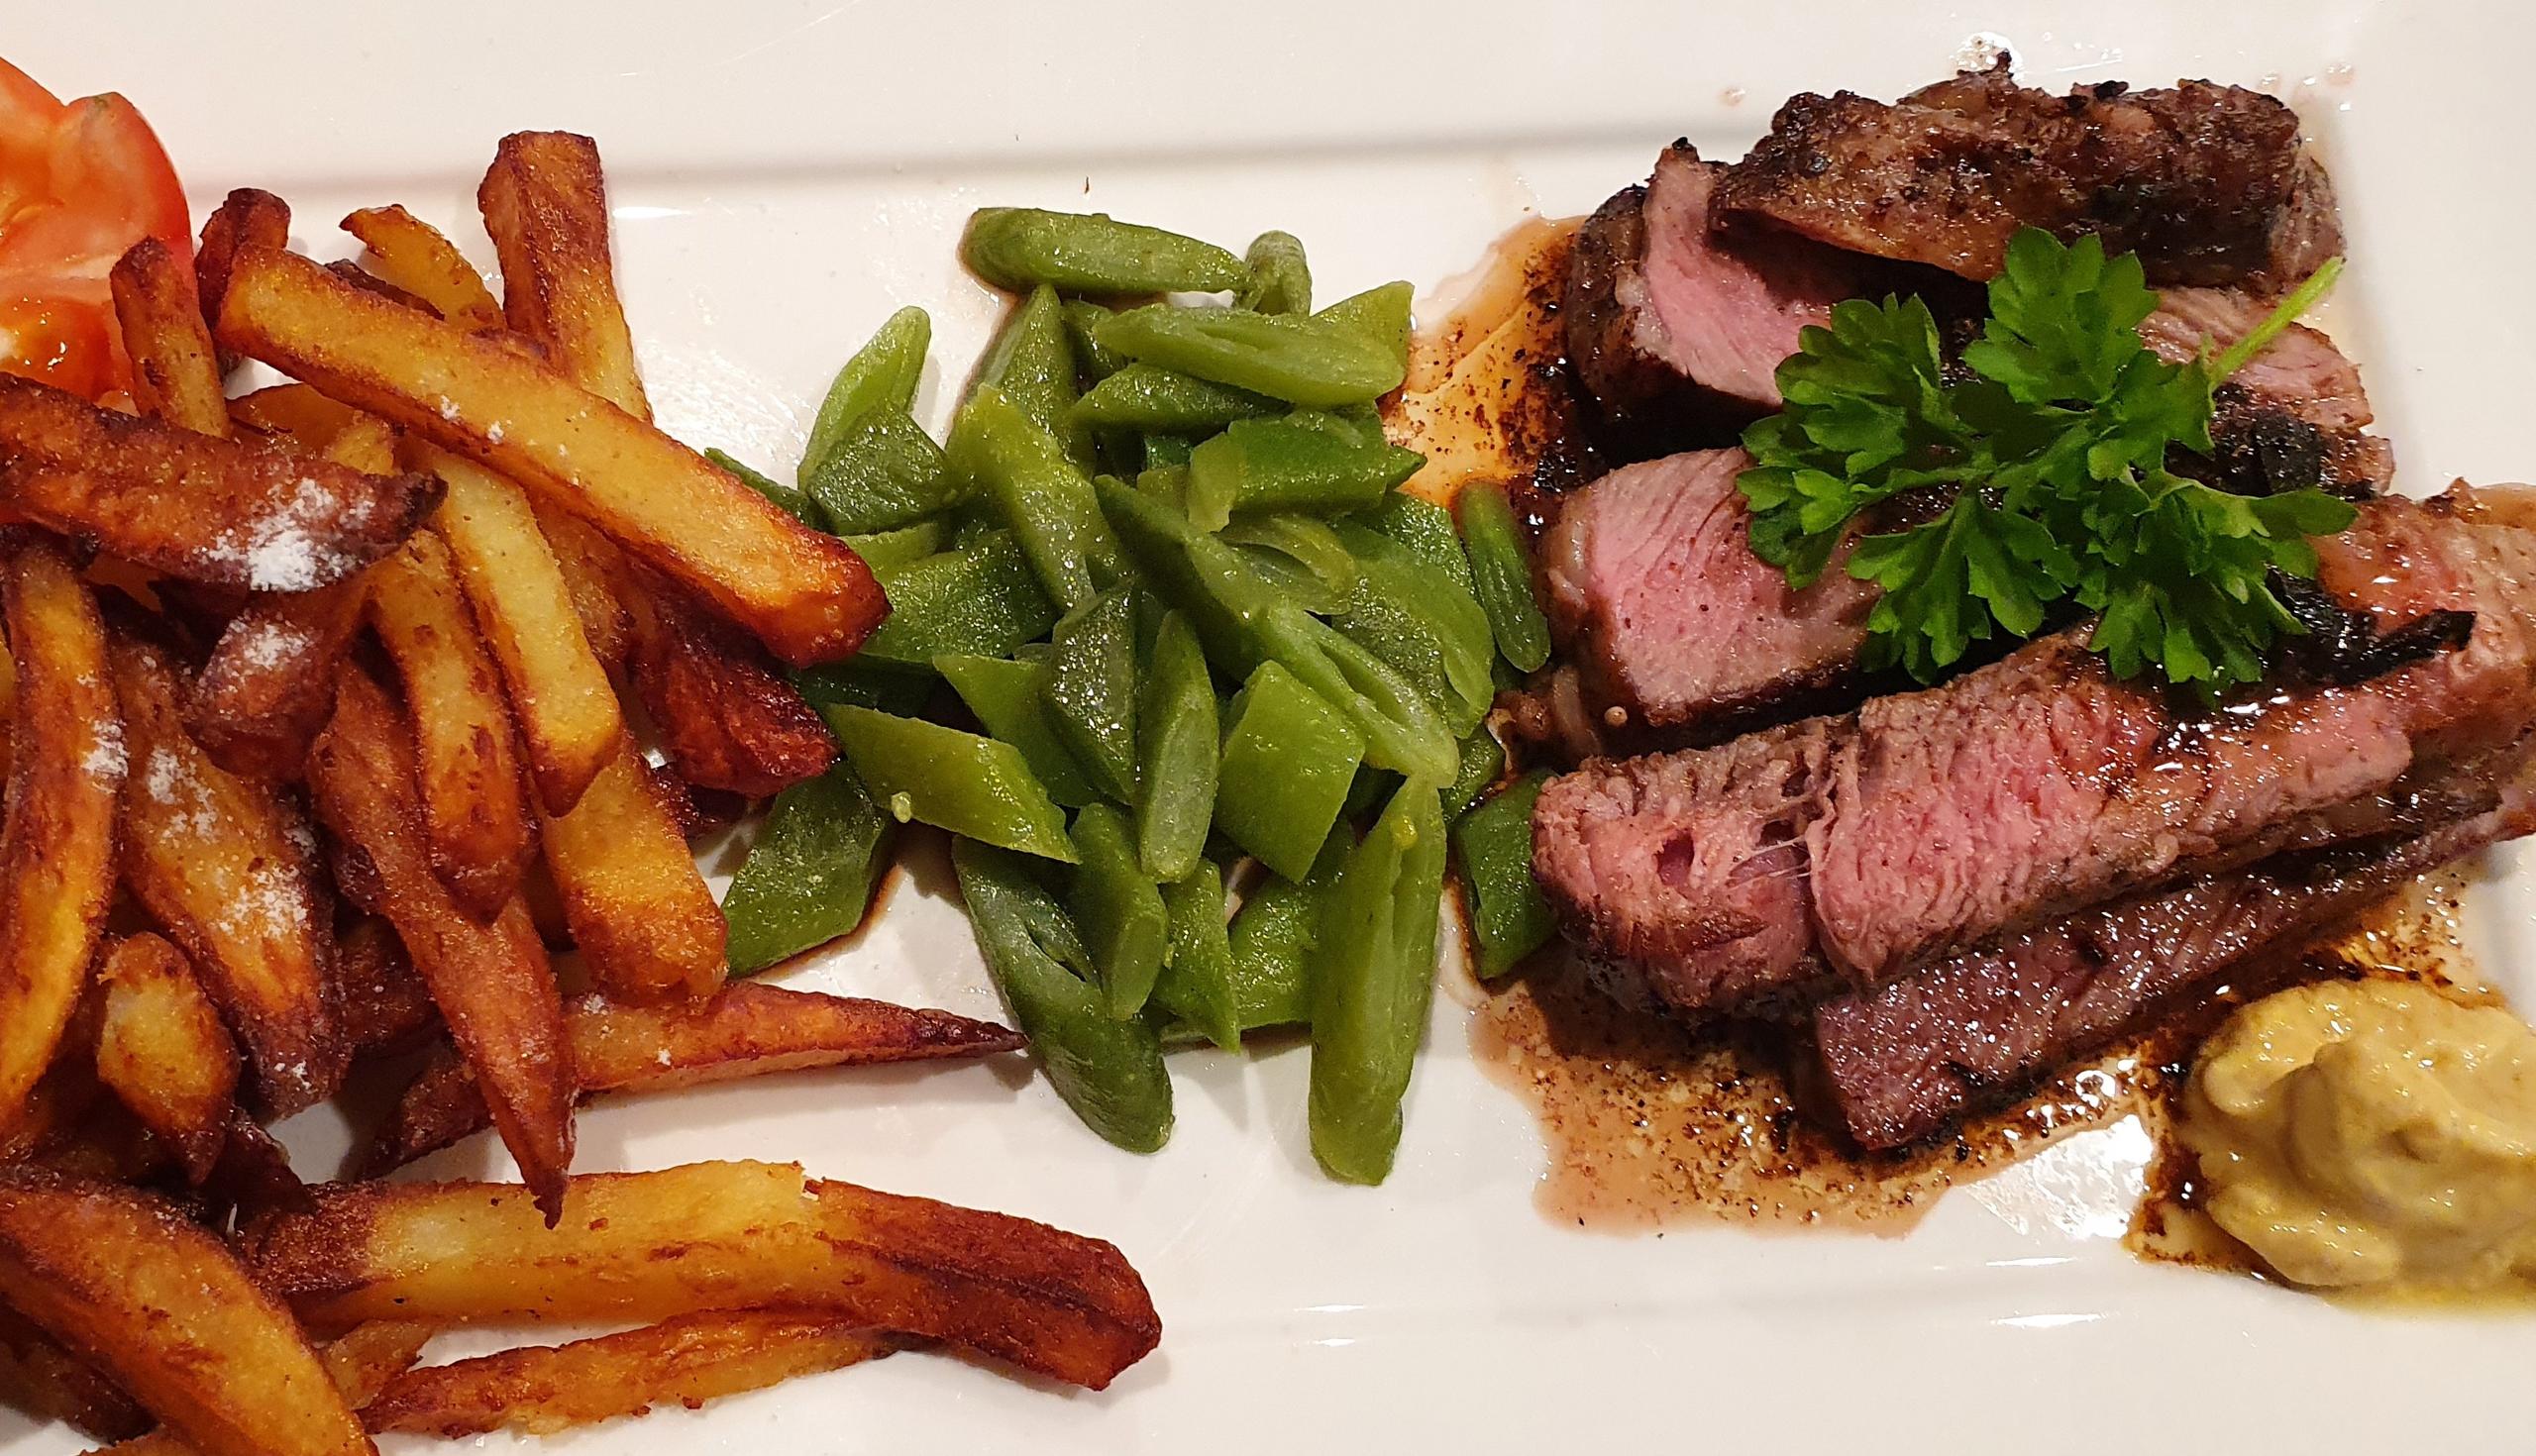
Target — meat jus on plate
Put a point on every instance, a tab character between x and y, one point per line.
1952	891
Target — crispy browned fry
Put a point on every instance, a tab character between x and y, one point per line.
492	983
545	203
414	256
225	866
175	374
161	1049
688	1360
370	282
638	907
253	1177
569	715
7	701
590	564
386	1007
193	506
57	844
806	594
649	1246
467	754
297	412
728	717
38	1375
270	682
361	1363
159	1304
246	216
748	1030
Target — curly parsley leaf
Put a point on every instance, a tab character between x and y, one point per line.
2050	460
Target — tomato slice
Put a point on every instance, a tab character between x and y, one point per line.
80	184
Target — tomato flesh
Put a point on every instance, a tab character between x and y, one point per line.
80	184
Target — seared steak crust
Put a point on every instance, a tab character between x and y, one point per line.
2208	183
1932	823
1898	1065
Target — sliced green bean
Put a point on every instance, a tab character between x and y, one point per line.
883	373
1288	759
1502	572
1092	253
981	598
1200	983
1091	362
1483	763
1291	463
1374	978
1145	396
1176	733
959	782
794	503
1090	690
1421	624
1007	700
1167	452
1308	541
1300	359
1426	529
883	473
1380	313
1031	361
1118	909
1024	471
1109	1071
1508	920
1280	278
866	683
886	550
810	877
1273	935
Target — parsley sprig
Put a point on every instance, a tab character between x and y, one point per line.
2052	461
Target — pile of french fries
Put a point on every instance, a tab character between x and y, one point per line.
316	753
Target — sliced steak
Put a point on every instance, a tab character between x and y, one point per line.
2209	184
1671	621
2037	787
1668	314
1901	1064
2300	371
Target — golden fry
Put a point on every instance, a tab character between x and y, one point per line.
296	412
593	567
58	845
47	1381
806	594
162	1048
226	867
569	716
245	217
638	907
492	982
649	1246
159	1303
750	1029
412	255
175	372
194	506
474	816
545	203
387	1008
688	1361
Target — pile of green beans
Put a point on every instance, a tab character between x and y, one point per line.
1164	627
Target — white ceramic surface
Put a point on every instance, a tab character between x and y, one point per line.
784	174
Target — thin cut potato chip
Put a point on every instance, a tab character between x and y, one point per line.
466	750
545	203
175	372
649	1246
58	843
569	716
804	594
161	1049
246	216
750	1029
159	1304
271	682
687	1361
492	982
412	255
195	506
226	867
638	907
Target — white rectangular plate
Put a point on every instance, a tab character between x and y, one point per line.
784	174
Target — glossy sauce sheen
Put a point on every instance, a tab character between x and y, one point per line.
1648	1127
